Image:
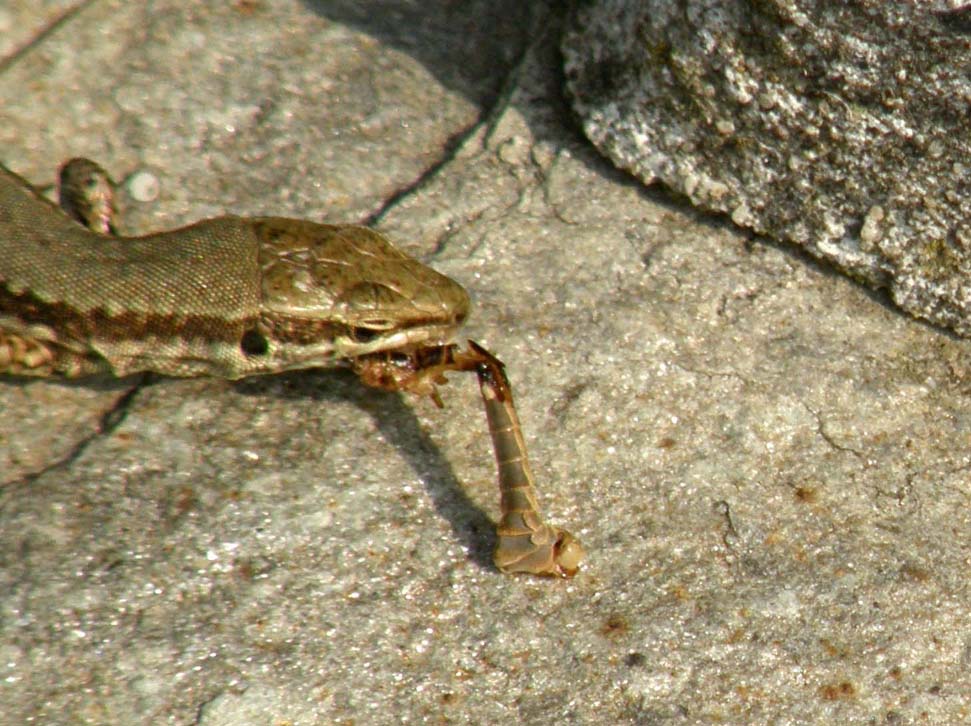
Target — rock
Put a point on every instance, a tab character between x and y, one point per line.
840	126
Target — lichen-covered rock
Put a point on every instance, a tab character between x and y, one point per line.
841	125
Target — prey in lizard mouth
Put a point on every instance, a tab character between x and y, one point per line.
419	370
524	541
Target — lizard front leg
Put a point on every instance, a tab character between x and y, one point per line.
30	343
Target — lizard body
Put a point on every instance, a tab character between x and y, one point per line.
229	296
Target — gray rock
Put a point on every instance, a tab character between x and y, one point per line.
839	126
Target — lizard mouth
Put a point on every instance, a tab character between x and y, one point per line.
433	331
303	342
364	340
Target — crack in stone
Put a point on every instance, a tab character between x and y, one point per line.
828	438
109	422
43	34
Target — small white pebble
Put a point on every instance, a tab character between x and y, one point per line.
143	186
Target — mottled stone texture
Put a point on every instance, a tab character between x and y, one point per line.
840	125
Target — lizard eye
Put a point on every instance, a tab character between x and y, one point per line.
254	342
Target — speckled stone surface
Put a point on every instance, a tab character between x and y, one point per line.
769	467
838	126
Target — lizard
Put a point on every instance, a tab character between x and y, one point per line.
238	296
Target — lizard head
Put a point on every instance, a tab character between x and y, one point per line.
337	292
